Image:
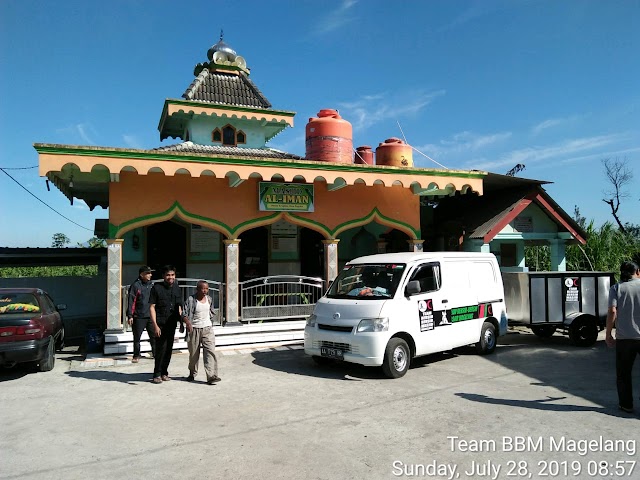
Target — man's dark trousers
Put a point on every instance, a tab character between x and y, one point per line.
139	326
164	348
626	352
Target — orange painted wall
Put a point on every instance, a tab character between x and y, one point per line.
136	196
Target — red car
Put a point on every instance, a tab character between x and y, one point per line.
31	328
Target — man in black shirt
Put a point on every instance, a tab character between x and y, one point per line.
165	308
138	311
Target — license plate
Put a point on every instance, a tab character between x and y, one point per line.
332	353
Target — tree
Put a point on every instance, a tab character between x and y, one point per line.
93	242
59	240
619	175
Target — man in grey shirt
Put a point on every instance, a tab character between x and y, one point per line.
624	311
198	315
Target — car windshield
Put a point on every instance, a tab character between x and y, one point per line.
370	281
18	303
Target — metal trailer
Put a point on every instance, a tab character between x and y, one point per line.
574	302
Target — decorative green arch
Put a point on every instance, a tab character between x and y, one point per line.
177	210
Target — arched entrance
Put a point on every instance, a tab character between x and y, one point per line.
311	253
254	253
167	244
396	241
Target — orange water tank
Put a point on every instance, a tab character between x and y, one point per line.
329	138
364	155
394	152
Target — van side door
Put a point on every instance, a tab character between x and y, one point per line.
426	309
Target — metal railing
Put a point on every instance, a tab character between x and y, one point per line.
279	297
187	288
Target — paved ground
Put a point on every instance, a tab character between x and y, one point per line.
277	415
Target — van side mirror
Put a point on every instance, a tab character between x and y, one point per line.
413	287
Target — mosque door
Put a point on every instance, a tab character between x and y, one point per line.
254	261
167	244
311	253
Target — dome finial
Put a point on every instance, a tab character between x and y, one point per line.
221	47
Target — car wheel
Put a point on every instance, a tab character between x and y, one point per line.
397	358
60	342
488	339
583	332
321	360
543	331
49	360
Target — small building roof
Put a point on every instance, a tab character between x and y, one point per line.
190	147
226	88
483	217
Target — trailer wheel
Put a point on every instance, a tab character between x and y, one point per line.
488	339
543	331
583	332
397	357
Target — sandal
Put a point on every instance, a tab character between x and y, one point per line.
165	378
157	380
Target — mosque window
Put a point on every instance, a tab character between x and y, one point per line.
216	135
229	135
240	137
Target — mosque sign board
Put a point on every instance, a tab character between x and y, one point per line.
285	197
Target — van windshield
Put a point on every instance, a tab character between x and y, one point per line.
370	281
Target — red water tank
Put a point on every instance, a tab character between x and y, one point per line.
364	155
394	152
329	138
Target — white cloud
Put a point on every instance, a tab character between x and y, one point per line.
476	10
463	143
558	151
336	18
553	122
84	131
80	204
369	110
132	141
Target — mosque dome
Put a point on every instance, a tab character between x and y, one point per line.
221	47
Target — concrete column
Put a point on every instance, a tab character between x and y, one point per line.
114	285
330	259
558	256
415	245
232	262
520	258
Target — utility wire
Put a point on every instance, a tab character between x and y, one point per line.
46	205
18	168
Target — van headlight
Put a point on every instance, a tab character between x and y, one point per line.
311	320
373	325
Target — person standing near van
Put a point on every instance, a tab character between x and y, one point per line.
165	307
138	315
198	315
624	312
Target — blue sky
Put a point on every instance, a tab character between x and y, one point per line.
474	85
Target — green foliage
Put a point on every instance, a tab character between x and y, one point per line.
607	247
66	271
59	240
94	242
538	258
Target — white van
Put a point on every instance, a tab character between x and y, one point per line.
384	310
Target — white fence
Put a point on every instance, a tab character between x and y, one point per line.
279	297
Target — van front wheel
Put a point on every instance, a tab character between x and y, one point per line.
397	358
488	339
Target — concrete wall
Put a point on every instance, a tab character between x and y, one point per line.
85	298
